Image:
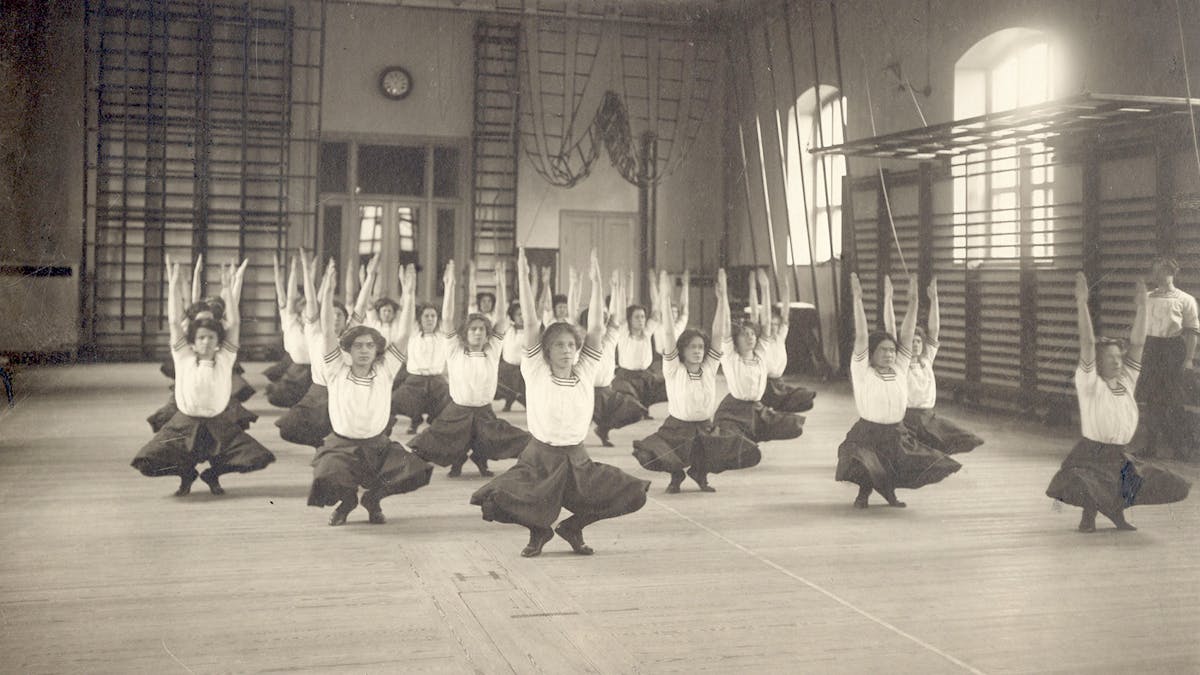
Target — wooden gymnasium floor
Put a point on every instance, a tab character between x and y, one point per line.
101	570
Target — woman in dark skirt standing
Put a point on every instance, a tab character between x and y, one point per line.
744	361
468	423
688	443
205	427
554	471
1099	475
358	452
920	422
1171	334
873	455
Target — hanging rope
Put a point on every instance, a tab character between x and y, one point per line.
783	155
887	202
812	244
812	29
762	160
1187	80
742	145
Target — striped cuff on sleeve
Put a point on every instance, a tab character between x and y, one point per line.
229	347
1133	365
179	345
333	355
533	351
590	353
904	351
714	354
671	355
1086	366
395	351
860	356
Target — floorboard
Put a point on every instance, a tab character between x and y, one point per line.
102	570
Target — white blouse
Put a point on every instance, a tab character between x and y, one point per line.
203	387
294	342
1107	411
745	376
1171	313
635	353
473	374
880	396
514	346
559	410
390	331
360	407
426	353
691	397
922	385
777	357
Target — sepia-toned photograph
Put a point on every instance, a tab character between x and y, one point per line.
600	336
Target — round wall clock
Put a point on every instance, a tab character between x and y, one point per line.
395	83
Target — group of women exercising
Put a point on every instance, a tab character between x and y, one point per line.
351	371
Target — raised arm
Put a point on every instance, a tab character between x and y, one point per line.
174	311
685	296
501	308
889	308
860	315
472	288
764	319
1137	334
935	316
408	302
364	293
233	322
720	328
595	327
292	288
785	302
350	292
545	303
656	299
752	293
312	303
525	297
281	296
448	318
1083	317
574	289
325	294
909	327
196	272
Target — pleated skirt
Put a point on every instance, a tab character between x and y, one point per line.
644	385
420	395
307	422
159	419
1108	479
788	398
615	409
875	455
756	421
678	445
287	391
547	479
379	464
185	441
459	429
510	384
939	433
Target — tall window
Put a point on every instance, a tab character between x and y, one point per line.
814	183
1009	69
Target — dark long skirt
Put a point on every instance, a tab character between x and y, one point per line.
678	444
186	441
1161	389
615	409
510	384
379	464
756	421
788	398
644	385
420	395
547	479
307	422
289	389
874	455
477	429
938	432
276	371
159	419
1106	478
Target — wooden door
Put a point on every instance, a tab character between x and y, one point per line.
614	236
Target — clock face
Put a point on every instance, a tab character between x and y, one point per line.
395	83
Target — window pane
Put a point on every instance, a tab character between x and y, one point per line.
407	222
331	232
391	170
332	165
370	232
445	172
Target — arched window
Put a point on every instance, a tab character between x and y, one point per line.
814	183
1009	69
